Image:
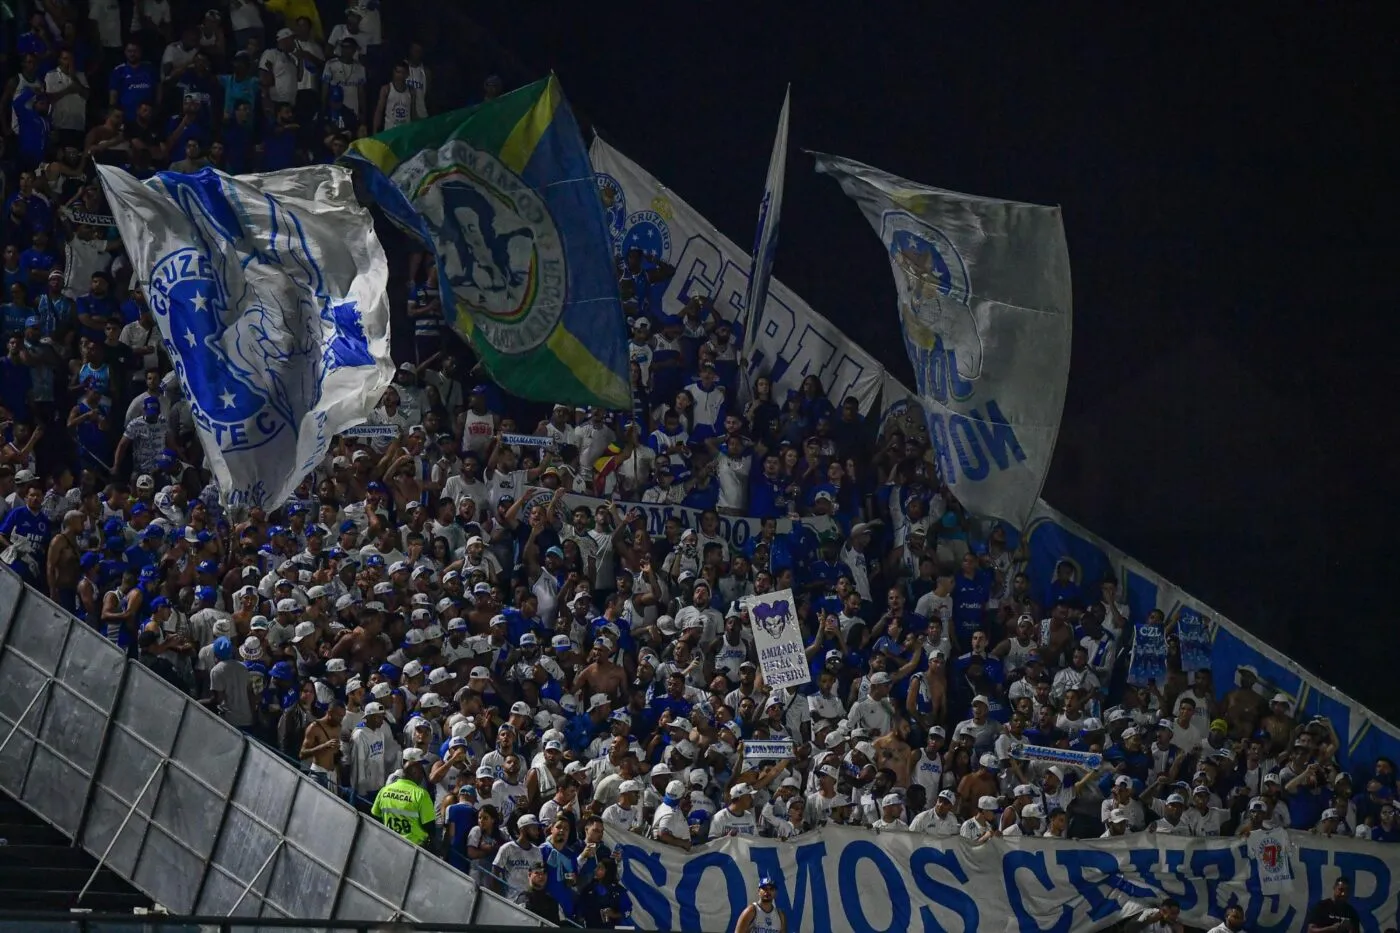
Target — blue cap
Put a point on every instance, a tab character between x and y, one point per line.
149	573
374	560
479	389
151	404
113	526
166	457
766	882
31	321
376	486
556	551
89	559
139	508
206	593
208	566
347	525
160	602
152	533
282	670
388	671
223	648
115	542
294	508
276	530
979	547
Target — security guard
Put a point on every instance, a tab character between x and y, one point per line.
404	806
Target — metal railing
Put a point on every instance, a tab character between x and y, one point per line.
202	819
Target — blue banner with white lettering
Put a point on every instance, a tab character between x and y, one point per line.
852	881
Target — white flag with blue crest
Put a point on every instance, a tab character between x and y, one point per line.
270	294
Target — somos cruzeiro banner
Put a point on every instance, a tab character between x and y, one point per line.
854	881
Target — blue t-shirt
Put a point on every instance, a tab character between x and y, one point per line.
34	527
134	85
970	602
33	127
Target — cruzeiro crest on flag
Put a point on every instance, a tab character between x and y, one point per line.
498	245
934	289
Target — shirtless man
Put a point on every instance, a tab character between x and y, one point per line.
1278	723
1243	705
892	751
321	743
976	784
601	675
62	569
364	645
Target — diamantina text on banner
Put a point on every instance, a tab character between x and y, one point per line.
777	634
984	303
269	292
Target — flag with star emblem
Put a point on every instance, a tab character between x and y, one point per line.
270	294
505	197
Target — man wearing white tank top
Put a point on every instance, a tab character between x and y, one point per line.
479	424
418	78
396	106
764	913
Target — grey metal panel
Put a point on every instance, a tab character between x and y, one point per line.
12	591
167	872
73	728
356	904
189	811
129	763
54	790
322	824
301	886
383	860
92	666
22	684
243	848
437	893
221	892
38	630
104	818
151	708
266	786
208	747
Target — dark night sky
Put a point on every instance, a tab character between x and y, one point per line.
1224	185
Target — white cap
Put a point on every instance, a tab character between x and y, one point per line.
1033	811
598	700
1118	815
527	819
1123	780
987	802
1271	778
381	690
879	677
305	630
413	668
675	789
431	701
989	761
980	699
374	709
891	800
410	755
519	707
1331	813
1023	790
335	666
316	592
740	790
1177	798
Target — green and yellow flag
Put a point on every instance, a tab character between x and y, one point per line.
504	195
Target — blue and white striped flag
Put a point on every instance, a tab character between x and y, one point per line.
270	294
765	238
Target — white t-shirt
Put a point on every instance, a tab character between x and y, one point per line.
514	861
244	14
176	58
727	821
733	476
338	74
157	11
107	14
285	69
309	79
70	113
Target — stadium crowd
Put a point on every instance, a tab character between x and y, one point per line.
499	648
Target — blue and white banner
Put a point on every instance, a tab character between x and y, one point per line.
757	750
984	303
765	240
1059	756
794	341
372	430
1193	635
1149	658
852	881
777	637
270	294
736	529
527	440
1054	539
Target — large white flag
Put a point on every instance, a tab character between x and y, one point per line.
269	291
794	341
984	303
765	238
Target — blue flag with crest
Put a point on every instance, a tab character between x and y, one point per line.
270	294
